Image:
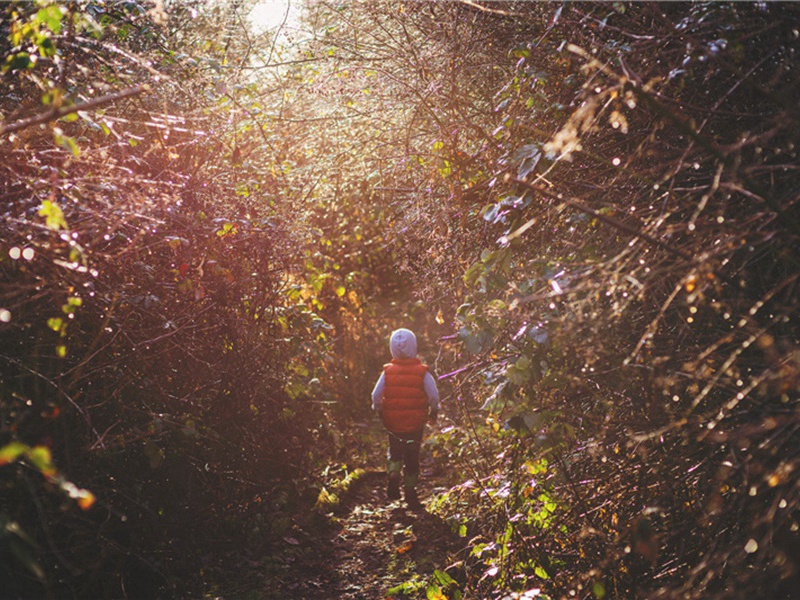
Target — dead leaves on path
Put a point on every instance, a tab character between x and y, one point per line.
405	547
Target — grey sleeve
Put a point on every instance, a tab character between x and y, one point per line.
431	391
377	392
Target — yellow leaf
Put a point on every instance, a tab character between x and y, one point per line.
53	215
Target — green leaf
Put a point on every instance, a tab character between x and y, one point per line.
227	230
21	60
474	342
42	460
409	588
11	452
474	273
434	592
73	302
443	578
66	142
599	590
300	369
50	17
55	323
47	47
520	372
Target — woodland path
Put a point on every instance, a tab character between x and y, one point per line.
369	546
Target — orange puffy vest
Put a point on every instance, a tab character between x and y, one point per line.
405	404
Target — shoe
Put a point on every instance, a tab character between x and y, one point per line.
393	488
411	499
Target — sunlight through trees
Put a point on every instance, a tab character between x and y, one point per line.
214	212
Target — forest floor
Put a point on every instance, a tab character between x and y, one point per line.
366	547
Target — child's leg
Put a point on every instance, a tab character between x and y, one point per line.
394	466
411	469
411	460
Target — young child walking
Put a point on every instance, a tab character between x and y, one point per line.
405	396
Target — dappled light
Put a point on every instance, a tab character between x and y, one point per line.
215	213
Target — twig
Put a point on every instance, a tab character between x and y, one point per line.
579	205
61	111
494	11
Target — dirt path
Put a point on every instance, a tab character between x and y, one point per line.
369	547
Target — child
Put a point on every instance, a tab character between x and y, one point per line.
405	396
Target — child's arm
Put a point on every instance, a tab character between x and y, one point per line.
433	394
377	393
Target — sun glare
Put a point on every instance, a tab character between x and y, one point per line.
268	15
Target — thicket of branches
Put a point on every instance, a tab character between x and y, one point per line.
148	431
207	236
616	184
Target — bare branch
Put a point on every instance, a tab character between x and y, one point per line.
578	204
61	111
494	11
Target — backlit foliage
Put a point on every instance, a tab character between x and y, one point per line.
587	211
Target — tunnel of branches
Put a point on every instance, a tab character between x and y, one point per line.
587	212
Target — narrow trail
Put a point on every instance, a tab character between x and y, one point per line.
370	546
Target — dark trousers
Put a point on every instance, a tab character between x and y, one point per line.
404	454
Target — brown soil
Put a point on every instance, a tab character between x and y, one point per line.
366	547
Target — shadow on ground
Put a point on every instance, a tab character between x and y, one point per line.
363	550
